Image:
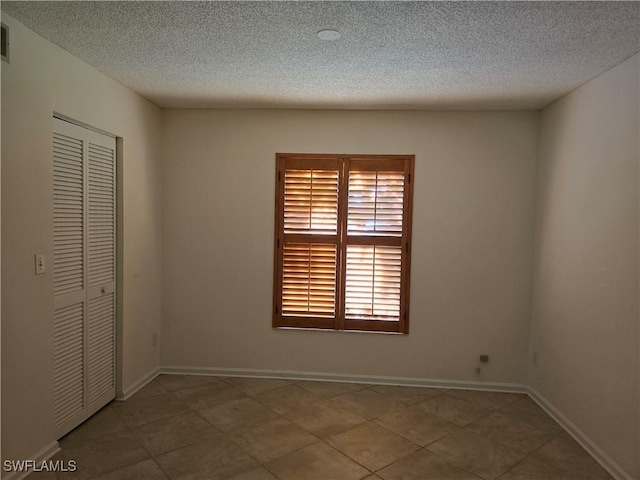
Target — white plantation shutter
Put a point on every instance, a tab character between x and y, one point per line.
343	226
83	273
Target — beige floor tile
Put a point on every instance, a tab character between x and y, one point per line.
146	410
215	459
272	439
208	395
251	386
408	394
323	420
240	413
316	462
474	453
173	433
147	470
463	432
564	447
489	400
423	465
330	389
103	423
527	411
512	433
560	459
258	473
416	425
532	468
371	445
452	409
97	457
180	382
149	390
367	404
286	399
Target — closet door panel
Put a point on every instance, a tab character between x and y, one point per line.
101	269
69	275
68	210
100	365
69	371
84	220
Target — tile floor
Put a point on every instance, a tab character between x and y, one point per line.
183	427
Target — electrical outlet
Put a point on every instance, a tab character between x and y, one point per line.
154	340
534	358
478	370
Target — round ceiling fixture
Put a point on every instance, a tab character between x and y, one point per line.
328	34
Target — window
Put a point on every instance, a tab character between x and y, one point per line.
342	246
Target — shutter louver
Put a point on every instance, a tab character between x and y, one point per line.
375	203
68	362
101	233
100	346
68	215
373	282
309	280
311	201
342	256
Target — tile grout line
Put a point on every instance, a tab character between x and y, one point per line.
399	403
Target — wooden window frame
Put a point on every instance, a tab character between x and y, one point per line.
345	164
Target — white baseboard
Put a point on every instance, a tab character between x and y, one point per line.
128	392
336	377
43	455
579	436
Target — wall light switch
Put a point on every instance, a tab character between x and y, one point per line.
40	264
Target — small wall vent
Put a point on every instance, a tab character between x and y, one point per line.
4	42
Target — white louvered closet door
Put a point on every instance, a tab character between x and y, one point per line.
83	273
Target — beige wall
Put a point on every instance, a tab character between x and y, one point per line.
585	309
43	79
472	241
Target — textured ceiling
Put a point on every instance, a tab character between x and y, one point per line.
392	55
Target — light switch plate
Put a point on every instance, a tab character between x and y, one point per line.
40	264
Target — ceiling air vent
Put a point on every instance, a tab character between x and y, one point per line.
4	43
